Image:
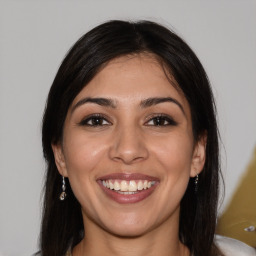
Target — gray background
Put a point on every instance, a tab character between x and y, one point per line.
34	37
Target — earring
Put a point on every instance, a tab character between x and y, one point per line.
196	183
63	193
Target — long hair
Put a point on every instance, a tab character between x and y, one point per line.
62	224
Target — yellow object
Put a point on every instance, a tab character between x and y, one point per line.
241	212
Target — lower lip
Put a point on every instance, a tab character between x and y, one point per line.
128	199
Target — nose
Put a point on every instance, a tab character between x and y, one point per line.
128	146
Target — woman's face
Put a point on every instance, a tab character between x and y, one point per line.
128	148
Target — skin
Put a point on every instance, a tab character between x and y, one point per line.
130	140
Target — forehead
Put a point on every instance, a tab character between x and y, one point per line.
133	77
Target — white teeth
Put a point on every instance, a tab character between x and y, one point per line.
140	185
124	185
126	192
132	186
127	187
145	184
111	185
116	185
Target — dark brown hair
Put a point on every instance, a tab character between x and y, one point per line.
62	224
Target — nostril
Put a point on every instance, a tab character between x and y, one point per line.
128	156
127	159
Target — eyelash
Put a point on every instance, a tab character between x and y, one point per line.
162	119
95	117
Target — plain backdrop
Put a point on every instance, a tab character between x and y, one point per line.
35	36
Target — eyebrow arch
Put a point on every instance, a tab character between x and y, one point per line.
100	101
154	101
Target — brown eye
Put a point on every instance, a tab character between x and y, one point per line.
95	120
161	121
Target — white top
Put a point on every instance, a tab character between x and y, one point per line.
233	247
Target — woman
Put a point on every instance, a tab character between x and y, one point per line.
131	142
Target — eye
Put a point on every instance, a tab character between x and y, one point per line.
95	120
161	120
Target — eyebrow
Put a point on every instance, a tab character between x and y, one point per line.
100	101
154	101
144	103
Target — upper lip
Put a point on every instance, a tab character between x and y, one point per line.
128	176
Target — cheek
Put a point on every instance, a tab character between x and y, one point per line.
175	153
172	158
175	157
82	157
82	153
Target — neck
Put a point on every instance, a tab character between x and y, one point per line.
162	241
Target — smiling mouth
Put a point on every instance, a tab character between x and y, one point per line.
127	187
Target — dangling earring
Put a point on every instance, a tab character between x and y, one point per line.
196	183
63	193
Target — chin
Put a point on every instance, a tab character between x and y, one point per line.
128	231
128	226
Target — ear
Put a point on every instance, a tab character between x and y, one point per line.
59	159
199	155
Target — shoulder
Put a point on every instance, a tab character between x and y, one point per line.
233	247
